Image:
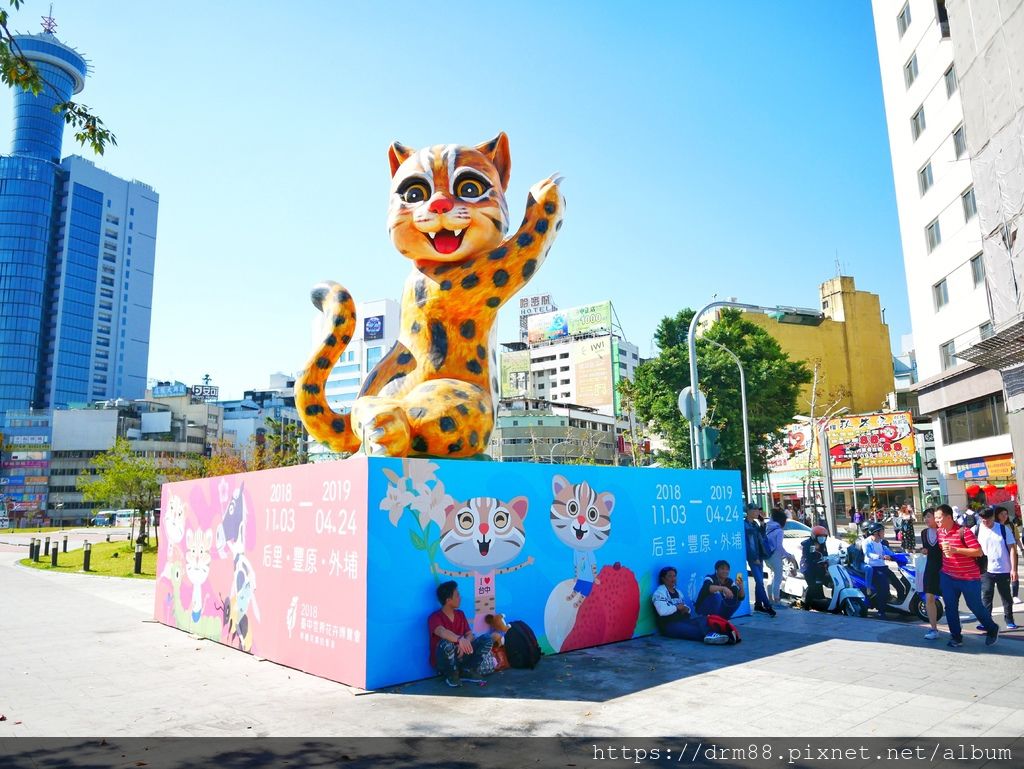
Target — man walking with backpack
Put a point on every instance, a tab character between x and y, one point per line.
757	551
961	576
999	545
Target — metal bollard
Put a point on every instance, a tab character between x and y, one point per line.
87	554
35	552
138	558
65	543
53	555
46	552
31	548
108	538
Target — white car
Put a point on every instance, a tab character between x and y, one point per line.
793	535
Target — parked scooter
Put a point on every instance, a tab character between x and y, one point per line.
903	596
846	598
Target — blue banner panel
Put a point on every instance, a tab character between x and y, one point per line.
572	550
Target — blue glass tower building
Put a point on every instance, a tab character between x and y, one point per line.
74	299
28	181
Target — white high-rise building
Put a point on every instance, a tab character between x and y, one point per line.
942	243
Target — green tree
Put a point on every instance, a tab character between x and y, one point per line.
16	71
119	476
283	445
773	383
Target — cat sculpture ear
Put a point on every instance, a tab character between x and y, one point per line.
519	505
497	152
558	483
398	153
607	501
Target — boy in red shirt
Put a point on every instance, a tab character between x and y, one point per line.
452	646
961	576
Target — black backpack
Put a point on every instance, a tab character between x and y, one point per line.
521	646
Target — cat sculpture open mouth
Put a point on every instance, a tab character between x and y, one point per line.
446	241
580	532
484	545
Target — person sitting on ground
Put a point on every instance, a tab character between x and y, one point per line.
673	615
877	572
720	595
814	566
453	649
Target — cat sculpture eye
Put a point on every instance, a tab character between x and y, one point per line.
500	519
592	514
414	191
471	187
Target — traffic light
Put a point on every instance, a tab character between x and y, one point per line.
856	469
710	446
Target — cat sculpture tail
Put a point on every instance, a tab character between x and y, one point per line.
325	425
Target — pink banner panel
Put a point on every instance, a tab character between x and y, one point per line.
272	563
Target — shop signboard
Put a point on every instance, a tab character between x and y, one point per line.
793	452
874	440
515	374
586	319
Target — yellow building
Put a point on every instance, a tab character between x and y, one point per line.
849	353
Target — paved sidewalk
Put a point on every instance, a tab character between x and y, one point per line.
81	657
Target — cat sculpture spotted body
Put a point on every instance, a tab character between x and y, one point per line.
434	393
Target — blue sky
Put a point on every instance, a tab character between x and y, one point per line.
729	148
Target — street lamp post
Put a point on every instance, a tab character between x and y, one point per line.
743	406
551	454
795	315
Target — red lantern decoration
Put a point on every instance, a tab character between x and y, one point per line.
1011	489
973	490
990	489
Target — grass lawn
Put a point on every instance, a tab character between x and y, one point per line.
38	529
109	559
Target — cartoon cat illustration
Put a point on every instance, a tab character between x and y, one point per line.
581	518
197	566
483	534
175	519
231	531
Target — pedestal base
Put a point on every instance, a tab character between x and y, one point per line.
332	568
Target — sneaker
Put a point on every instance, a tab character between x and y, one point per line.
1017	599
931	635
980	627
954	643
716	639
764	609
1011	626
992	637
453	680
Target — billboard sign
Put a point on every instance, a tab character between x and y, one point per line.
794	451
373	327
586	319
593	362
515	374
874	440
169	391
205	392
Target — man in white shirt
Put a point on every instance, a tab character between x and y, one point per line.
999	546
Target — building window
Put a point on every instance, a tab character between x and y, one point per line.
942	17
951	83
985	329
960	142
917	123
903	20
983	418
978	270
947	352
372	356
940	293
910	71
933	235
970	205
924	179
